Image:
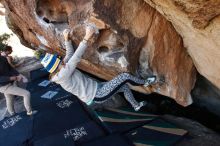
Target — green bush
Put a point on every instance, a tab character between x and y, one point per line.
3	40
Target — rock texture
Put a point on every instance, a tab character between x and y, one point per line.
2	13
198	22
133	36
205	94
197	133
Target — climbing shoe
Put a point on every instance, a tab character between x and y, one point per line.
150	80
32	113
141	104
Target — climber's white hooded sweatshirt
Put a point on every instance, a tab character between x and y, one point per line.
71	79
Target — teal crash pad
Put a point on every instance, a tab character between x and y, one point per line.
123	119
156	133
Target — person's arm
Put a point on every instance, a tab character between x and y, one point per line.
68	46
10	59
75	59
71	65
4	79
7	79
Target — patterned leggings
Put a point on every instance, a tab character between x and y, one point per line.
116	85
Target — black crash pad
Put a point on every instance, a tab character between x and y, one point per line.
48	95
40	84
112	140
77	134
57	117
54	140
38	74
156	133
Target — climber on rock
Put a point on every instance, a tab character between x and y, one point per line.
86	89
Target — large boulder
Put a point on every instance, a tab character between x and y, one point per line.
134	36
198	22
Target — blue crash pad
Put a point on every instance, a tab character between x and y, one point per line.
16	130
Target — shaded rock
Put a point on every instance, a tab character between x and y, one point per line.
198	134
207	95
133	36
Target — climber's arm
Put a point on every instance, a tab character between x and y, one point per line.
68	46
69	51
75	59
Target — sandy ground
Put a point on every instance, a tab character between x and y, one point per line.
19	49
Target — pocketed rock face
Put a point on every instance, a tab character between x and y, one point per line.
134	36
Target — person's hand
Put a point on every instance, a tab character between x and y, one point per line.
23	78
13	78
66	33
19	78
89	32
